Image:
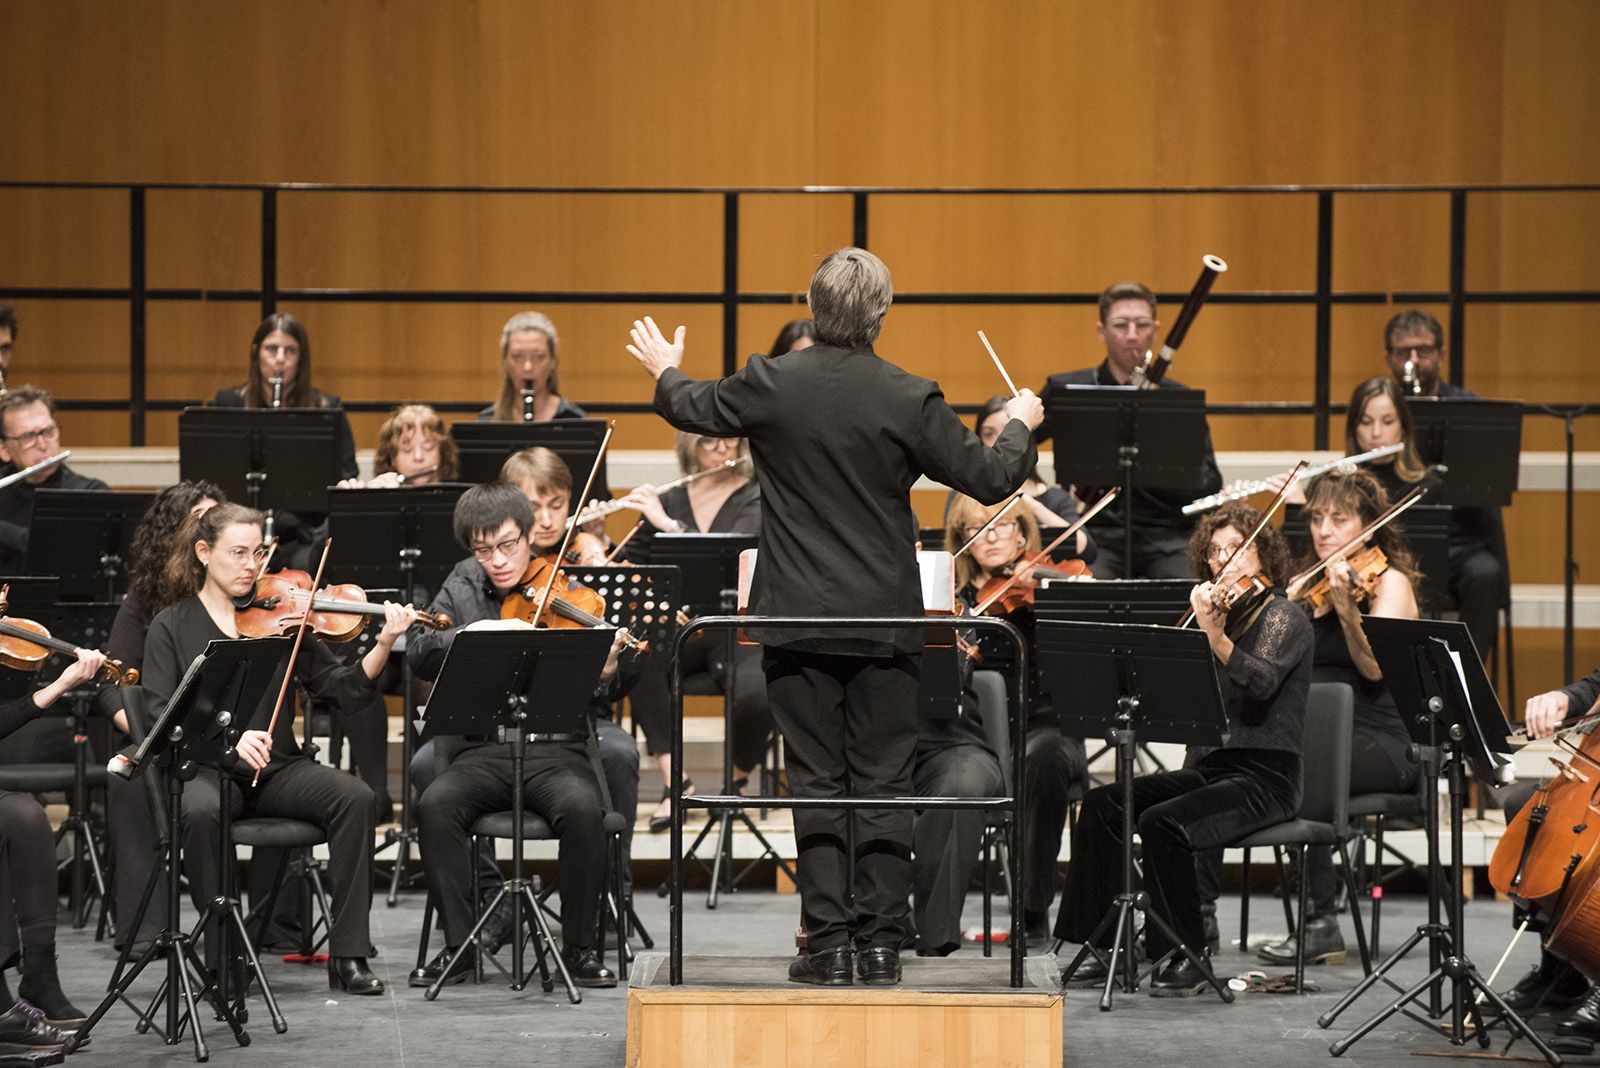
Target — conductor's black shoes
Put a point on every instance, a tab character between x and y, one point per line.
430	972
1179	979
583	964
878	965
828	967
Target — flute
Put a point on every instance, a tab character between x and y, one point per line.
1262	485
605	508
1155	367
18	476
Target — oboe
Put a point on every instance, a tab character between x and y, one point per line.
1247	489
277	391
527	402
1155	367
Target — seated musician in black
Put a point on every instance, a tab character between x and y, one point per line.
1050	505
221	554
531	369
1553	983
496	521
1055	766
28	891
1251	782
1127	327
29	435
1339	506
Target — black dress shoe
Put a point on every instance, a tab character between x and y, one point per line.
1213	933
352	975
21	1029
1179	979
496	930
1585	1019
466	966
583	964
828	967
1324	944
1551	985
878	965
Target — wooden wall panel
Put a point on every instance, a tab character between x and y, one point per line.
64	237
202	239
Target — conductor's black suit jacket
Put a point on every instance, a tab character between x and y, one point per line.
839	436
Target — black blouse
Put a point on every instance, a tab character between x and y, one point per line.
1376	711
1268	678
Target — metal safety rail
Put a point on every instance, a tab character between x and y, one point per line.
717	802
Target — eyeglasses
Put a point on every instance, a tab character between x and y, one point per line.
1003	529
711	443
1222	552
44	433
1415	351
1141	326
239	554
504	548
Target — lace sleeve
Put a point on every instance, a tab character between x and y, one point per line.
1272	648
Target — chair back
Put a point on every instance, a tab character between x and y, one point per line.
994	708
1325	745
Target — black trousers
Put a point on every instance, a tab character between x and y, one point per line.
1056	770
945	841
1379	764
1478	583
1177	814
651	701
1155	556
27	876
299	789
849	727
559	785
133	841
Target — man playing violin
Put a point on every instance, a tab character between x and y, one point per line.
1127	328
839	437
1263	652
496	523
29	435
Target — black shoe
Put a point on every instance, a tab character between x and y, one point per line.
22	1030
466	966
1213	934
1549	986
1092	972
827	967
497	929
1324	944
41	988
352	975
583	964
1179	979
33	1058
878	965
658	824
1585	1019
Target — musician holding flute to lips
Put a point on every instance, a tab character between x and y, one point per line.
1127	327
29	436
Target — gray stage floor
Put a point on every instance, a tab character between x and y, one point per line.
472	1026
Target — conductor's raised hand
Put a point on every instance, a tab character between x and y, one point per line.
1026	407
652	349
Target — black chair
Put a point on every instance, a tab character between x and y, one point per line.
1371	814
295	840
994	708
1323	819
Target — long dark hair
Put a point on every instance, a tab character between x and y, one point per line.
184	573
152	540
257	393
1360	493
792	331
1407	464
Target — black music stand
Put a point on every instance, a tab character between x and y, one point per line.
709	564
273	459
518	684
484	446
85	537
403	539
1450	708
1128	437
220	690
1477	441
1161	681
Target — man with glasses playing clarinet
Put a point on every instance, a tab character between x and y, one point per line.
29	435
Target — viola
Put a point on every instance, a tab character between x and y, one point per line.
570	606
336	613
25	645
1366	567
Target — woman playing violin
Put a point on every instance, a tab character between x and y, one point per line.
221	553
1339	505
1056	766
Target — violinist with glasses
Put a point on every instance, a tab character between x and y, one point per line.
1263	647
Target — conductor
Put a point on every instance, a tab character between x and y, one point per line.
839	436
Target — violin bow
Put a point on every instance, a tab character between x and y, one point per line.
1042	554
1012	386
617	548
991	521
1372	528
572	528
299	636
1266	517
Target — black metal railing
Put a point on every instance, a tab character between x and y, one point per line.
1323	297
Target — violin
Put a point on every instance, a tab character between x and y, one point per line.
336	613
25	645
1242	600
571	606
1004	597
1366	567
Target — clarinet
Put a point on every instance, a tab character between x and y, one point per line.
1155	367
527	402
277	391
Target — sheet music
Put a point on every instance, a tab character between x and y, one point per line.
1505	768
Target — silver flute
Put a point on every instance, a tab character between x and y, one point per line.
18	476
1247	489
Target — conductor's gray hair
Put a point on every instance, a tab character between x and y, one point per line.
850	294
